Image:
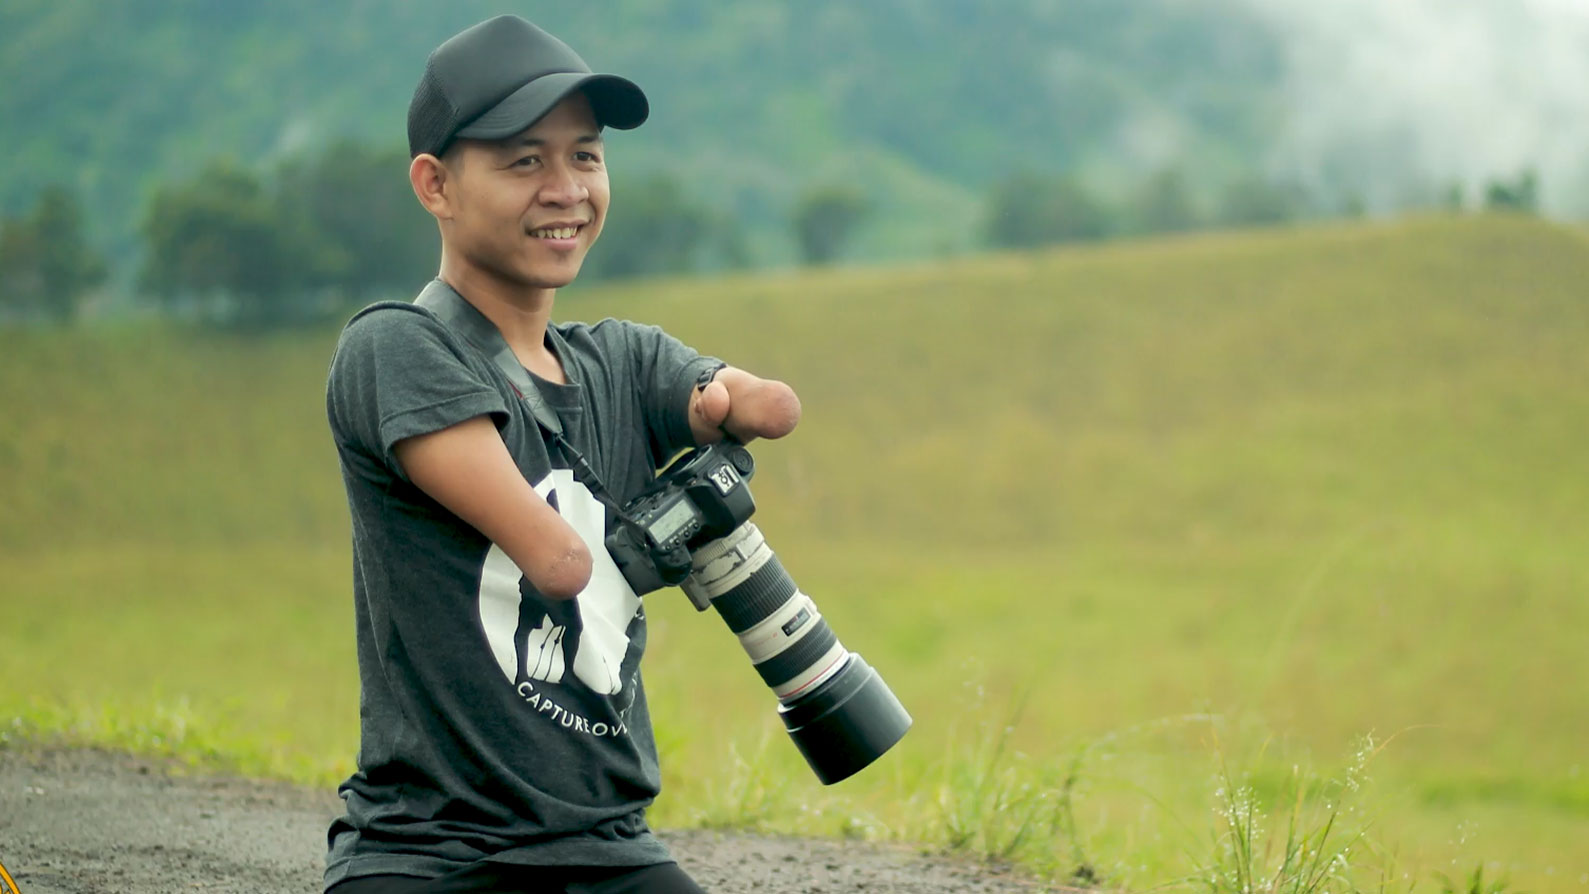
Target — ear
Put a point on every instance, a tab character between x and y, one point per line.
428	175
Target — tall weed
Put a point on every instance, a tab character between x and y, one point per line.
1313	838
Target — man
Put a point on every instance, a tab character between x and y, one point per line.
505	742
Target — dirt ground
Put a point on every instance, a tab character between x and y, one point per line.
85	822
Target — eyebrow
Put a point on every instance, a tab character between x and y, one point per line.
532	142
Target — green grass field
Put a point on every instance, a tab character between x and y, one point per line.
1107	520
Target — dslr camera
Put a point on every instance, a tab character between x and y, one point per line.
691	527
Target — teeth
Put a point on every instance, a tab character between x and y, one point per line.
555	233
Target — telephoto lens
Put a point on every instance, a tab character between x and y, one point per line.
839	712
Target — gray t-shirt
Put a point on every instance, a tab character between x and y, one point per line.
496	724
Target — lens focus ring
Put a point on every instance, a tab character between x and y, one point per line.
760	595
799	656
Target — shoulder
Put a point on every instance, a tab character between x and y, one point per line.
608	338
604	329
610	334
392	319
394	344
397	327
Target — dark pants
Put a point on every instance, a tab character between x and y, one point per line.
502	878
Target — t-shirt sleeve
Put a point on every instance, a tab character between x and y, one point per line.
398	373
666	371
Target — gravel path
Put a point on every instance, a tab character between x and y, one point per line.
85	822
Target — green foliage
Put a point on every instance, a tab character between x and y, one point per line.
750	794
1256	201
1163	203
988	800
751	99
1324	834
46	264
1028	210
358	200
327	229
1520	195
824	221
1475	883
652	227
221	245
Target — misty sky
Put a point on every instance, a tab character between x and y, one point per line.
1381	93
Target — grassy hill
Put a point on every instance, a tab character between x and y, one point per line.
1152	506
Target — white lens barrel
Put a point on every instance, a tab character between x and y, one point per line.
815	674
778	626
725	563
839	712
781	629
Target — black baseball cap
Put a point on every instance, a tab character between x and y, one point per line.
494	79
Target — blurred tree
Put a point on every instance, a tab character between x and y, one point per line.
220	243
358	199
1016	212
1030	209
651	228
742	104
1164	204
824	219
728	247
46	265
1521	194
1255	201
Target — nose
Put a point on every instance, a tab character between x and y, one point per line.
562	187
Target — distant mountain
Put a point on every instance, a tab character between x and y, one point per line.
919	104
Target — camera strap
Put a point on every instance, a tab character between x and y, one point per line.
473	326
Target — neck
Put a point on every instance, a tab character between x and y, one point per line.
520	313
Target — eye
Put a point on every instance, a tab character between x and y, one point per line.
526	161
591	157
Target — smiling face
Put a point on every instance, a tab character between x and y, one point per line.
524	211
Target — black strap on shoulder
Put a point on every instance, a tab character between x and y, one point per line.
472	326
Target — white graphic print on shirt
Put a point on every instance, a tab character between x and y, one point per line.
590	632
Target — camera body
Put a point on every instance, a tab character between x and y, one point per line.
691	528
700	497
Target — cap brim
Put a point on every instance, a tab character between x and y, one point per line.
616	102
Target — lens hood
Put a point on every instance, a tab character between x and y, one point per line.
847	722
